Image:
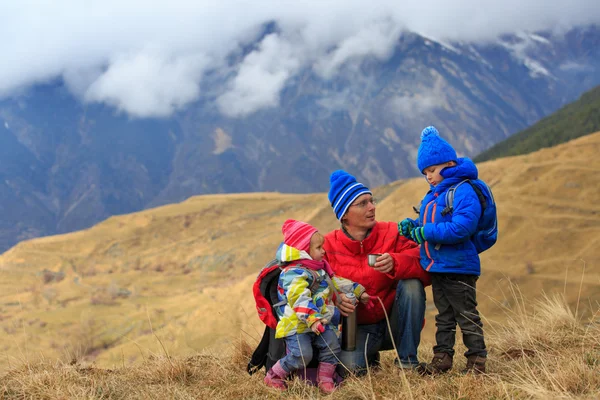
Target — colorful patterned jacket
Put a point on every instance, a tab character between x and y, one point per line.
308	298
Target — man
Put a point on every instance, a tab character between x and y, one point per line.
397	278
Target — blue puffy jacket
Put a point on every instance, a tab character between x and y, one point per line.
448	247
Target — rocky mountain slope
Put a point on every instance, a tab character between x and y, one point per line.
66	166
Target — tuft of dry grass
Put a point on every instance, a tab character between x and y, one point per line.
542	352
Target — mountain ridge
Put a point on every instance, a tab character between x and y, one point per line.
576	119
70	165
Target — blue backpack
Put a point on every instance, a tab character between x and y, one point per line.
487	227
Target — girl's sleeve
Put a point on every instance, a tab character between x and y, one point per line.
294	282
344	285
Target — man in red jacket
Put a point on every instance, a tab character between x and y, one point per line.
396	278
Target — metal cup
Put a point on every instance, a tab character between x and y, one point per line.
372	259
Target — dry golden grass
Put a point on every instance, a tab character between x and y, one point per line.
542	352
183	272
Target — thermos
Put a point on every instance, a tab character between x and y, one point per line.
349	327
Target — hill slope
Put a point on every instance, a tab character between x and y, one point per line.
579	118
544	352
183	272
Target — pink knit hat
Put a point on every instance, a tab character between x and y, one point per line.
297	234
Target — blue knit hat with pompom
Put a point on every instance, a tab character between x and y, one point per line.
343	190
433	149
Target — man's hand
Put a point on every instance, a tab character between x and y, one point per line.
345	305
318	327
384	264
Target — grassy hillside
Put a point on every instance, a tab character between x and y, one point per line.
177	279
543	352
579	118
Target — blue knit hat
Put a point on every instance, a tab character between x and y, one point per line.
433	149
343	190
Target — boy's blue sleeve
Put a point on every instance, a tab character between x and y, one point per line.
465	215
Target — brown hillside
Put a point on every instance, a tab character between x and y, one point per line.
179	276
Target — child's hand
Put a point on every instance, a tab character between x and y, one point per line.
317	327
418	235
405	226
364	298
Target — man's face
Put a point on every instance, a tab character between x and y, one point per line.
361	213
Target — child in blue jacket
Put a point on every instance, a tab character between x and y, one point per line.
447	251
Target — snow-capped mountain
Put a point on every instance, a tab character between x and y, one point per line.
66	166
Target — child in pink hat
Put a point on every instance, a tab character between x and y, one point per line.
307	291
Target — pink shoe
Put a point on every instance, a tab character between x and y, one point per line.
325	378
276	377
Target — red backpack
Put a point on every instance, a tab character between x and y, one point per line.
265	292
270	349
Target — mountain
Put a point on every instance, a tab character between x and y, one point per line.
572	121
182	273
67	165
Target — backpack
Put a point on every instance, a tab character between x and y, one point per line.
265	292
487	226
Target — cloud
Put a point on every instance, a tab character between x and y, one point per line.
420	102
260	77
376	39
148	83
151	58
575	67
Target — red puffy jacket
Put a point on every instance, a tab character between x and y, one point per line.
348	258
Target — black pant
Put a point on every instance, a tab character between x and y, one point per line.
454	298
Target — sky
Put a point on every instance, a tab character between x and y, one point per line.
149	58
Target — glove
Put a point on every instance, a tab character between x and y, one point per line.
405	226
418	235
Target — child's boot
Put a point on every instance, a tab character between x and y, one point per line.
475	365
441	362
276	377
325	377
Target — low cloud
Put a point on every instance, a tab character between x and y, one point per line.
151	58
149	83
260	78
415	104
419	103
375	39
